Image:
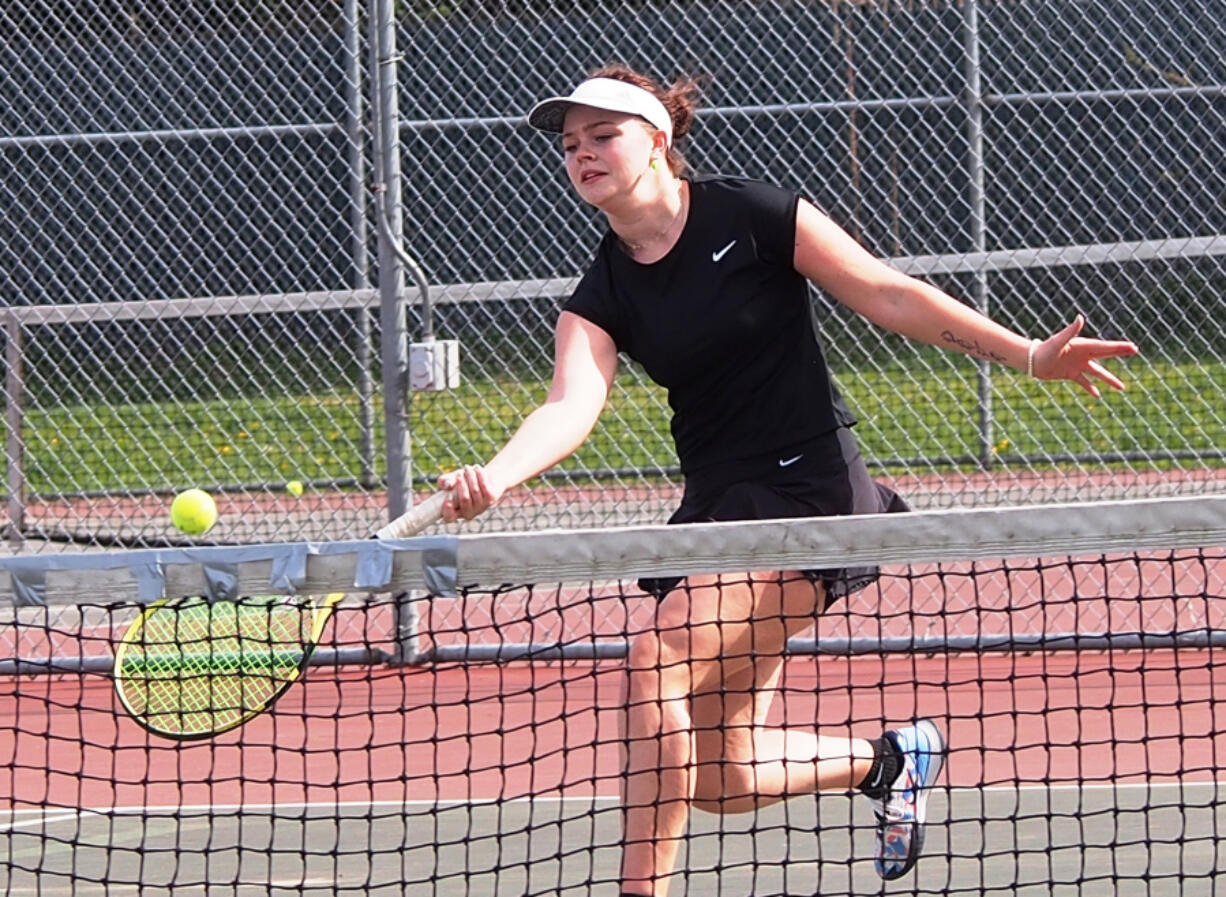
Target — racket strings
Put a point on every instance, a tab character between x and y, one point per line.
201	667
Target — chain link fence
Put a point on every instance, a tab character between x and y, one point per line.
197	289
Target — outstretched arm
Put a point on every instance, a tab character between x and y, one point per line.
585	361
829	257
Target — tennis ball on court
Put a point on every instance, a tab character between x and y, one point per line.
193	511
294	487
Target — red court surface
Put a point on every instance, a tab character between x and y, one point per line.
322	513
487	732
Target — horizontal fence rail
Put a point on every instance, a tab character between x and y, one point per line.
561	287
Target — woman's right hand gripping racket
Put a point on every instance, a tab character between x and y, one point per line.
193	668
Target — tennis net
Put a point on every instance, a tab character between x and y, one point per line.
461	729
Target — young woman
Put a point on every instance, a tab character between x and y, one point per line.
703	281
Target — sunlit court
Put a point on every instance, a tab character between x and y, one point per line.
670	448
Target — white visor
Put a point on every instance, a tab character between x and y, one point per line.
603	93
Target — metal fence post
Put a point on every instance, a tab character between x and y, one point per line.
14	448
357	217
392	315
385	121
975	197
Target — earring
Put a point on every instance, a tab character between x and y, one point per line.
655	164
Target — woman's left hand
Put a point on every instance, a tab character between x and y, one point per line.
1066	356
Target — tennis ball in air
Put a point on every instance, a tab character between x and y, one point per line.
193	512
294	487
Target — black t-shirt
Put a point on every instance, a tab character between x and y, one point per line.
723	323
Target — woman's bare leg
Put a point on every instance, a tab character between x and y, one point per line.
743	764
698	690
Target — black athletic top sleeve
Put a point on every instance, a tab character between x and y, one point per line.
722	322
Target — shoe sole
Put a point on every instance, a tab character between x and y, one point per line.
936	761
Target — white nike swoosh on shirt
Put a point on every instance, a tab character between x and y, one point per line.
789	461
716	256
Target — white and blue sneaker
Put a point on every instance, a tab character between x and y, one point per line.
900	814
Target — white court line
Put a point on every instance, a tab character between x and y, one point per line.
22	818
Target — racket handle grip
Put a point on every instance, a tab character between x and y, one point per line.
416	519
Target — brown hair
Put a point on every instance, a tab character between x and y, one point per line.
680	101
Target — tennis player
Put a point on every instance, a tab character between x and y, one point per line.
703	280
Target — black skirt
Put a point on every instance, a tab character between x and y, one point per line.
823	477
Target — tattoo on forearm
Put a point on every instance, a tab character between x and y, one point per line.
971	346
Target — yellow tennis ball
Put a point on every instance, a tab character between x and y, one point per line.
193	511
294	487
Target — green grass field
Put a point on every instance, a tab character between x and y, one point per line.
911	413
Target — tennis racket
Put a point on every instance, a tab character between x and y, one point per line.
190	668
